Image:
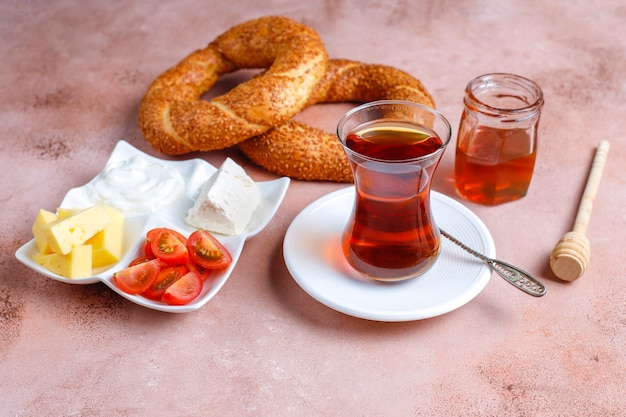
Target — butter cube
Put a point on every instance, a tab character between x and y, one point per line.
64	234
76	264
107	244
43	219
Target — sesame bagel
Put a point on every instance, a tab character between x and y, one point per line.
303	152
175	120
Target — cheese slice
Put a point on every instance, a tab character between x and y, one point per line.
63	212
76	264
107	243
226	201
66	233
43	219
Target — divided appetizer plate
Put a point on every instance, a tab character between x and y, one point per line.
194	172
313	255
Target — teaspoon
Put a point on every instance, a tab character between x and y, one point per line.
515	276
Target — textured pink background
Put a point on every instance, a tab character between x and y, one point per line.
71	78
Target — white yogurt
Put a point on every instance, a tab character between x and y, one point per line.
136	186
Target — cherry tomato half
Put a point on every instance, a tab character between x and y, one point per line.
167	276
137	278
140	260
184	290
152	234
169	246
206	251
204	273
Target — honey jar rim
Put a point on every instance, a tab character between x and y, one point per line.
521	88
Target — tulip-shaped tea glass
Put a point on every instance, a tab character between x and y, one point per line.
393	148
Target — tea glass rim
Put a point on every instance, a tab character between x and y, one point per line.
406	103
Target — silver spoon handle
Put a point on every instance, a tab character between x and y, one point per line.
512	274
518	277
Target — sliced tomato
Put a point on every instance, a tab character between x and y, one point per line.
184	290
206	251
137	278
140	260
150	236
204	273
169	246
167	276
147	246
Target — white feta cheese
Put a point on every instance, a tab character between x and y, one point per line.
226	201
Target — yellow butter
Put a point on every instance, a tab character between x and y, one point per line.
107	244
64	234
76	264
43	219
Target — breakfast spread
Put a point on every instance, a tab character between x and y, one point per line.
175	120
172	268
136	186
71	242
87	232
255	115
226	201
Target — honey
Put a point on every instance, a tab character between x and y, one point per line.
497	139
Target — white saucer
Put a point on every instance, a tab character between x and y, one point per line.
312	251
194	173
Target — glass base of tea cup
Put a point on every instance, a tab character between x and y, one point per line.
390	275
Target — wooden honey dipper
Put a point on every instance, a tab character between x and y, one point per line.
570	257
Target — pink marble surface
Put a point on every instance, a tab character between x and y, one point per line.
72	76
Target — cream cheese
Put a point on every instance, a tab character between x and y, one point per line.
136	186
226	201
